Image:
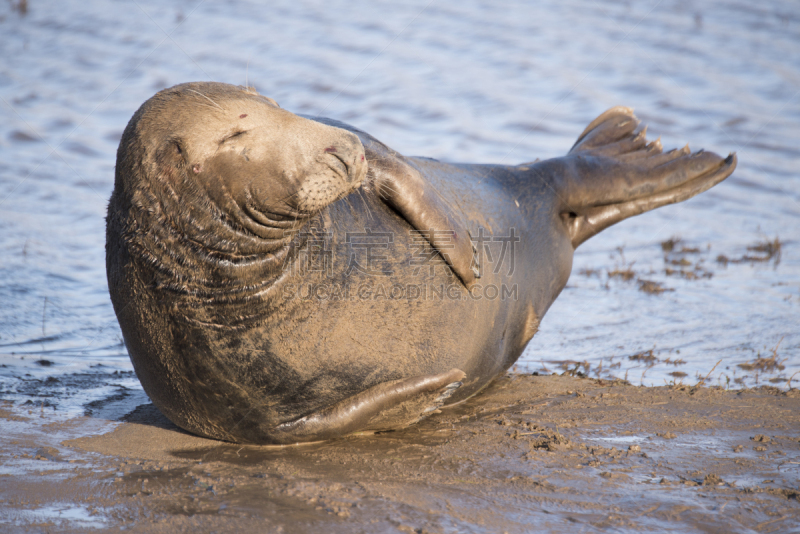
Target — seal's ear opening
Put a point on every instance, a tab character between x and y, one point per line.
171	160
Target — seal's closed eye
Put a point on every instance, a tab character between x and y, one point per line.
233	136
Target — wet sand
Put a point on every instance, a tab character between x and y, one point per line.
464	82
559	453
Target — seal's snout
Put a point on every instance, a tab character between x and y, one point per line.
339	169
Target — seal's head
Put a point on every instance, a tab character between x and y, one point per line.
214	182
237	145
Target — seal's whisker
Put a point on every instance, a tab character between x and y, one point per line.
387	186
207	98
366	204
281	200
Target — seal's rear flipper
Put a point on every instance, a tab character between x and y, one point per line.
612	173
390	405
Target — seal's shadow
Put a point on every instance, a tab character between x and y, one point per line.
148	414
129	405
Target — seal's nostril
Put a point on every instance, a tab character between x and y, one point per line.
330	149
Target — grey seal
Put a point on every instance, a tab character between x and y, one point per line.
280	278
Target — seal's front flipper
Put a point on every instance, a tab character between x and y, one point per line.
406	191
390	405
612	173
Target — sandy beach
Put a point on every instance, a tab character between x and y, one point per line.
554	453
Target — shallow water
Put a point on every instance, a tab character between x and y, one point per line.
459	82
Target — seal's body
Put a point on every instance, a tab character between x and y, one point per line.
281	279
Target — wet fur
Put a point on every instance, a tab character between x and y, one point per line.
216	190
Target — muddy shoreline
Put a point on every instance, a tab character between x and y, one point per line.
550	452
465	83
